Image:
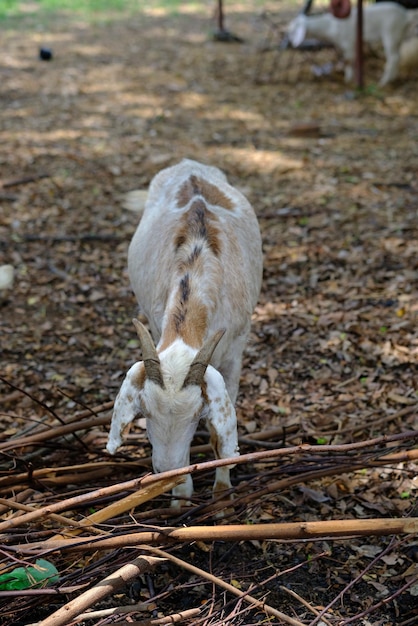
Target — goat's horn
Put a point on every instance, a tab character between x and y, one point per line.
201	361
149	354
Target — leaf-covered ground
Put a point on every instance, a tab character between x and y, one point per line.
333	353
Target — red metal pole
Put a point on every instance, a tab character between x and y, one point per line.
359	45
220	16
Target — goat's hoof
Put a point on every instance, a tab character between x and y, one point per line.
220	493
178	504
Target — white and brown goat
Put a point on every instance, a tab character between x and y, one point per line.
195	266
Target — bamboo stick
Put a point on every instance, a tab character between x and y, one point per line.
235	532
209	465
105	587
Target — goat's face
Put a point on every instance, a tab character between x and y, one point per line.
172	415
169	390
297	30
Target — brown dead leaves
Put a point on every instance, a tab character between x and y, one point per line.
333	353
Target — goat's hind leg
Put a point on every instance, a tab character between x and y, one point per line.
391	45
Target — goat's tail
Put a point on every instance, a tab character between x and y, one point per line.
135	200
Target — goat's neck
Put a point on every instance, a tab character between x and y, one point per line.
197	281
185	318
193	299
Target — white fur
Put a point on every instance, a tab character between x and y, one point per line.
223	288
384	22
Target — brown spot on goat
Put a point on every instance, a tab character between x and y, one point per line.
185	193
204	389
184	289
191	323
198	223
187	319
196	252
215	442
139	379
196	186
213	195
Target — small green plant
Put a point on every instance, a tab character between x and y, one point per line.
39	575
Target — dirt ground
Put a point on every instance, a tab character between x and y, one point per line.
333	353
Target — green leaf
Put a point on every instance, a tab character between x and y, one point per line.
38	575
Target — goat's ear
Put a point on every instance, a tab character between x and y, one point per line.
297	33
127	406
221	416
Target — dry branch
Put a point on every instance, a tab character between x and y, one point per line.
147	492
306	604
119	610
145	481
234	532
74	474
160	621
53	433
105	587
125	504
60	519
19	497
23	181
76	501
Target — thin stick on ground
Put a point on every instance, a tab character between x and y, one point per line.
118	610
76	501
23	181
383	602
304	602
174	618
60	519
353	582
53	433
221	583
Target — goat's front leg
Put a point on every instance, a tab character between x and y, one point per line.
222	422
348	70
391	68
182	493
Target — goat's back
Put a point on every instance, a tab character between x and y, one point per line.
196	225
383	20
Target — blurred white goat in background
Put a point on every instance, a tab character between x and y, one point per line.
385	23
195	266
